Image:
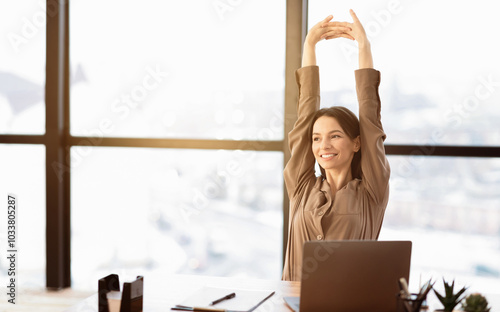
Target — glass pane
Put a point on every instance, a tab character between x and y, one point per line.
436	89
22	172
178	69
450	209
175	211
22	67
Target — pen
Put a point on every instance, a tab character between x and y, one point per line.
231	295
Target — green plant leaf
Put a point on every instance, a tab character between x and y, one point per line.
449	300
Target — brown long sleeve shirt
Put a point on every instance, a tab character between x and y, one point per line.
357	210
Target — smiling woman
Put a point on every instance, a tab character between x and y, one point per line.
349	199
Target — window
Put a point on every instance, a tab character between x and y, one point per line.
451	217
211	212
202	70
138	99
23	174
22	69
182	72
437	90
22	120
157	75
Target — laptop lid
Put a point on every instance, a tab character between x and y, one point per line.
353	275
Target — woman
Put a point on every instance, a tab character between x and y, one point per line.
348	200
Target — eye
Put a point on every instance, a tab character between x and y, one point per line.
335	136
315	139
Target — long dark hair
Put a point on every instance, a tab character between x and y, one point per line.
350	124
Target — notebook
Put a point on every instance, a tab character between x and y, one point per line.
351	275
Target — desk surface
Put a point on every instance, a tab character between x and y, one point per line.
163	292
160	294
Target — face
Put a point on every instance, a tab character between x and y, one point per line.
331	147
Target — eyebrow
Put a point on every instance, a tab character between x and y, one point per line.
333	131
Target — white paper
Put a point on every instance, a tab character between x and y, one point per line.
243	301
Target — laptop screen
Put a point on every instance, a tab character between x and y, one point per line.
353	275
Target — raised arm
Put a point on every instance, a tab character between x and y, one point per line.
300	167
374	164
375	167
358	33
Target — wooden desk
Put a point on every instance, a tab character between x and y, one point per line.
162	293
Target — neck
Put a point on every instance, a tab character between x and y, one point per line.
338	178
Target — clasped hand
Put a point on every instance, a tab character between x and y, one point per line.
328	29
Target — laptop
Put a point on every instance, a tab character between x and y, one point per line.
351	275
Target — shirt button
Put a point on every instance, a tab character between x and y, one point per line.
319	237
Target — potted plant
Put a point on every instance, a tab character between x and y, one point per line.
449	300
475	303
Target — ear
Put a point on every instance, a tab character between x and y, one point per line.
357	144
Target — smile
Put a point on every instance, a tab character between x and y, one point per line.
328	155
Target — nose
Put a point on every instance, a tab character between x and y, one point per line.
325	144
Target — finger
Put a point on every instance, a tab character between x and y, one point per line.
354	16
348	36
337	28
326	20
337	24
334	32
342	35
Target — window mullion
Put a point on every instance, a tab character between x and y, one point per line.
57	154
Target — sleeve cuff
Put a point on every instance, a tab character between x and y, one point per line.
308	80
367	82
